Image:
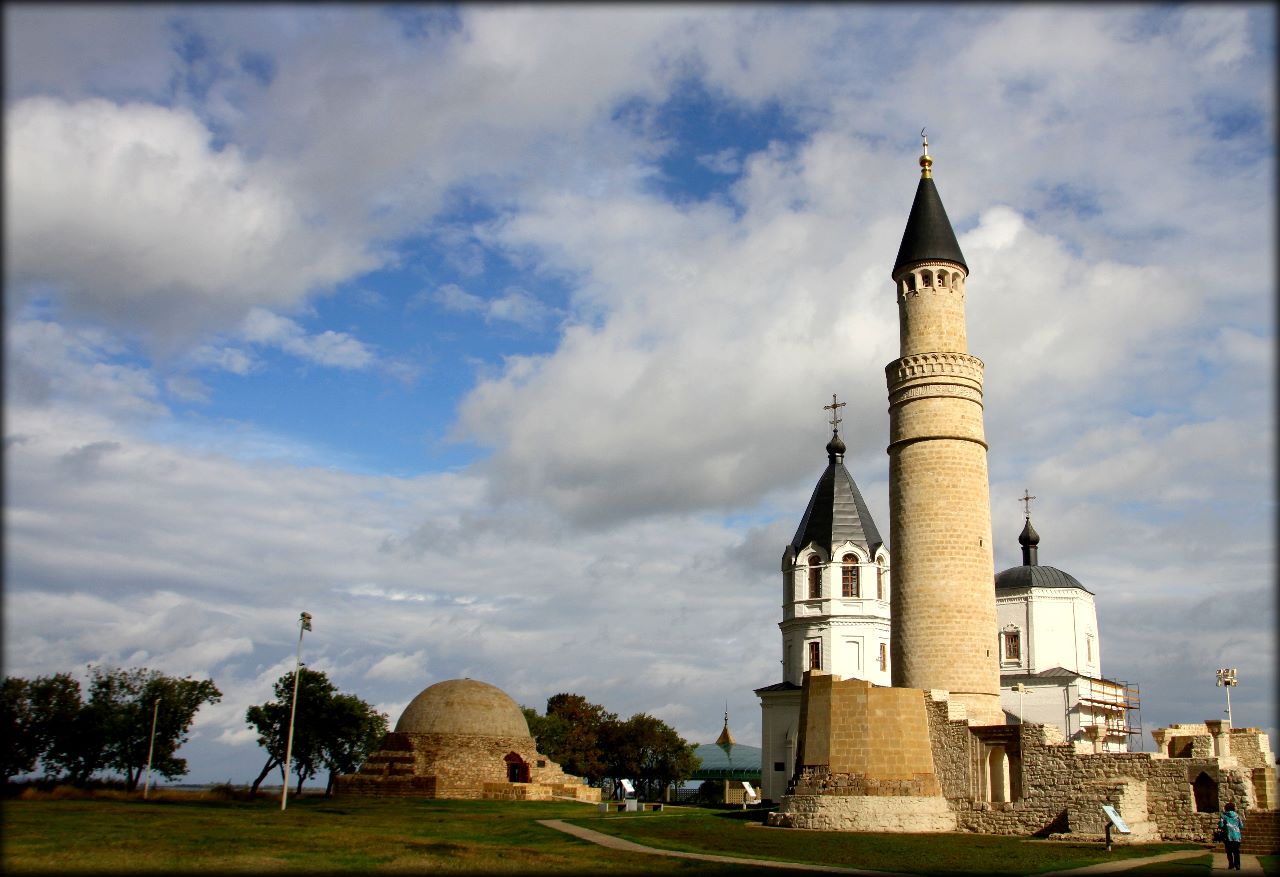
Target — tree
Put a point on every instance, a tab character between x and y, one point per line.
123	704
69	736
330	729
352	734
648	750
575	726
590	742
21	751
52	723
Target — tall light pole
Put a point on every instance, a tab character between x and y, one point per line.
151	750
1227	679
1021	689
293	711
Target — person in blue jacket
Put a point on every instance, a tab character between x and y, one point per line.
1232	825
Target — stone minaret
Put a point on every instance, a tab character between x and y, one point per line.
943	605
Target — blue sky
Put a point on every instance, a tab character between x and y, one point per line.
497	338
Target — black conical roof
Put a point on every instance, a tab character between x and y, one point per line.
928	235
837	513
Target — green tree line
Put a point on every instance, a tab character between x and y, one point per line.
50	723
589	741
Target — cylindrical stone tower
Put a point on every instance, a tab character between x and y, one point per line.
943	605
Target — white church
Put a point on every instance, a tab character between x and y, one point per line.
835	618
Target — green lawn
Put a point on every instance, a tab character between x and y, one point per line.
712	831
188	834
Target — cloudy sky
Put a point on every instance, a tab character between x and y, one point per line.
498	338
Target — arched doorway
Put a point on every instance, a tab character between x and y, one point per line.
998	775
1204	792
517	768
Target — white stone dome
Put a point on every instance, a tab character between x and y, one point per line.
463	707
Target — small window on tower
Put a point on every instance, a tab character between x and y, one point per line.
1012	645
849	576
815	655
815	577
879	578
884	657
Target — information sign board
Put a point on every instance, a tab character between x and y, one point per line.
1115	818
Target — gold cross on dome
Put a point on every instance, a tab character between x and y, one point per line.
1025	499
834	408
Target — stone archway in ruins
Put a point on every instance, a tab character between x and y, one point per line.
1204	792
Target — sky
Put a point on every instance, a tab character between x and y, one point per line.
498	337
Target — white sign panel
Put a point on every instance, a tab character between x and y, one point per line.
1118	822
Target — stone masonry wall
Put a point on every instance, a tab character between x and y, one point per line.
1059	783
864	740
952	745
451	766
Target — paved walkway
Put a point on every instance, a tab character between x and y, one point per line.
626	846
1249	864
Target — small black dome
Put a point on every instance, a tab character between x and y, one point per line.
1028	536
835	447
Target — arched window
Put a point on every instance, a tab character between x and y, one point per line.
880	578
849	576
815	655
911	282
815	578
926	278
942	278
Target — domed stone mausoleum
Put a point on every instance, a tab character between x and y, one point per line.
463	739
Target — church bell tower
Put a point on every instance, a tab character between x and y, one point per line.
943	606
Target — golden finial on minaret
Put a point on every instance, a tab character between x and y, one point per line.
926	163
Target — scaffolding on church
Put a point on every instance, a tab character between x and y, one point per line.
1114	705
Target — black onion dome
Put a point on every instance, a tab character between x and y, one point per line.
928	235
835	448
1028	536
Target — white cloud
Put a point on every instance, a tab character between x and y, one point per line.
397	667
329	348
515	305
454	298
169	235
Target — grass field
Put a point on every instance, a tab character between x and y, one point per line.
192	833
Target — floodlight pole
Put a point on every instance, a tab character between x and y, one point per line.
305	624
151	750
1227	679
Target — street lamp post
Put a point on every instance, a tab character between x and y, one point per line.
151	750
1227	679
1021	689
293	710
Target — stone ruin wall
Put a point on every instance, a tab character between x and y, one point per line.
1063	790
952	745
